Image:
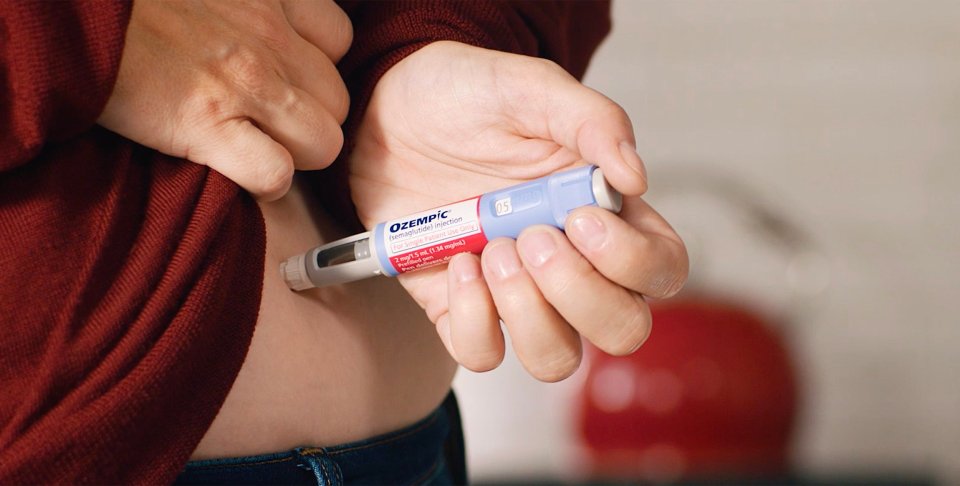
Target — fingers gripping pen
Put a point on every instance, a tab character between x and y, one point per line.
434	236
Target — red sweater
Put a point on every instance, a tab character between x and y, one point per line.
129	280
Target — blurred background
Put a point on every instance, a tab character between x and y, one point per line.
808	151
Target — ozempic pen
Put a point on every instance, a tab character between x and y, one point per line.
434	236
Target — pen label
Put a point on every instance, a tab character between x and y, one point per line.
434	236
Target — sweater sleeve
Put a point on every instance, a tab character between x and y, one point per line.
58	63
567	32
386	32
130	281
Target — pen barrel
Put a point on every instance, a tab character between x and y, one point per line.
432	237
547	200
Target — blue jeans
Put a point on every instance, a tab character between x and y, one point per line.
427	452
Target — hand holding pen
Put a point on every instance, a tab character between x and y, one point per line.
451	121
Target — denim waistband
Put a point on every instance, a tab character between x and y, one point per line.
412	455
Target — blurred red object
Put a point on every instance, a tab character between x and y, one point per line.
712	393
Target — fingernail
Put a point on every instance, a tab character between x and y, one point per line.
630	157
501	261
588	230
537	247
464	270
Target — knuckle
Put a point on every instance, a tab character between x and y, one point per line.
633	332
200	112
289	101
269	26
636	254
683	265
341	103
509	299
204	107
481	360
548	66
276	177
611	110
249	70
434	308
195	114
666	287
334	144
569	281
343	35
669	284
523	67
557	367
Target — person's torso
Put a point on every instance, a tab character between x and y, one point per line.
330	365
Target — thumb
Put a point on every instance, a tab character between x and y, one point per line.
581	120
247	156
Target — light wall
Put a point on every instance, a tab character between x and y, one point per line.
843	117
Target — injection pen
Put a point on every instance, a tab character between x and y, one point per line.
432	237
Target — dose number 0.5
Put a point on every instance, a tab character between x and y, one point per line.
503	206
